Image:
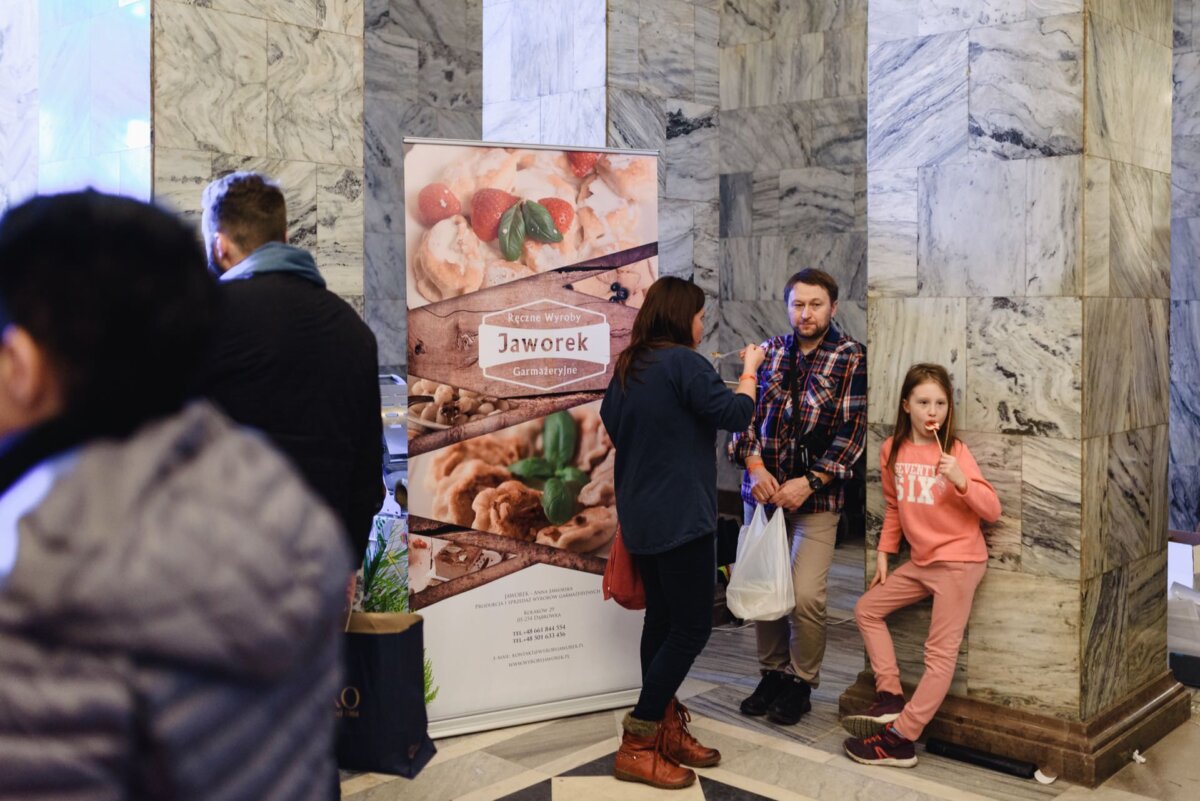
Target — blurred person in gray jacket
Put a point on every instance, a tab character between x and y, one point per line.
170	591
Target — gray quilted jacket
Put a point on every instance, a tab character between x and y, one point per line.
170	628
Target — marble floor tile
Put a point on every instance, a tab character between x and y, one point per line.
560	738
605	788
444	781
1171	772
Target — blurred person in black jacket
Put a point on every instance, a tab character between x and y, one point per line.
291	358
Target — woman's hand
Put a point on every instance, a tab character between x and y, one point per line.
752	357
762	484
881	568
948	467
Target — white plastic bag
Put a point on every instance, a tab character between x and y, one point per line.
760	587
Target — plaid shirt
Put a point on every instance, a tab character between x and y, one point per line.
833	408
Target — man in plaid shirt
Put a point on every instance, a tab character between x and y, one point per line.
809	429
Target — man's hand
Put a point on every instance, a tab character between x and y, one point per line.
762	484
881	568
792	495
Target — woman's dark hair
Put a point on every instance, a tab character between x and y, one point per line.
664	321
918	374
117	294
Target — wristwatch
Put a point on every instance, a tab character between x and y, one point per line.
814	481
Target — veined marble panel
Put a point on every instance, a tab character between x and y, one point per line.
1108	364
1026	88
1186	97
852	318
1000	459
803	60
667	49
706	248
1151	91
497	58
434	21
1105	675
755	267
514	121
1097	226
692	150
917	90
1185	178
465	123
1026	655
767	138
675	221
1110	103
818	199
810	16
1185	511
1024	366
745	321
1150	380
1133	267
636	120
876	506
842	255
764	204
940	16
63	85
839	131
1051	506
622	45
340	16
1130	494
1183	14
392	61
449	77
736	194
1185	252
587	45
179	179
120	79
762	73
1185	381
575	118
339	246
904	331
383	148
1036	9
891	20
892	232
388	320
383	266
749	21
315	96
846	62
1094	535
708	56
1160	488
1160	232
958	254
210	76
1145	641
1054	226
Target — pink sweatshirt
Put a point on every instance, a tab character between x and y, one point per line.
940	523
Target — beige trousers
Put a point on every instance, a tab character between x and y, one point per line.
795	643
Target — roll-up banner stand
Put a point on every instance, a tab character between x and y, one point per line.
525	267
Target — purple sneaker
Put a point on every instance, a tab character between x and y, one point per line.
885	748
874	719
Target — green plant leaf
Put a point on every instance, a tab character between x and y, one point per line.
573	475
532	468
539	224
512	232
558	439
558	500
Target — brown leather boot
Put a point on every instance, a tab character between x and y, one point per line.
641	757
678	742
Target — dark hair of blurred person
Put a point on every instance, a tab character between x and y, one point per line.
170	591
662	410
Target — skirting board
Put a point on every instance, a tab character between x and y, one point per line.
503	718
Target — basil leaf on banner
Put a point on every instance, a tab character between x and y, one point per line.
539	224
572	475
512	233
558	501
532	467
558	439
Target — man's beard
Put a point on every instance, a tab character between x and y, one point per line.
817	335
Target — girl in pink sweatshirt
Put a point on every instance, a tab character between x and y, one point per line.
936	498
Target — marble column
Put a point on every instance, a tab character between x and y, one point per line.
274	86
1185	272
423	69
1018	209
18	102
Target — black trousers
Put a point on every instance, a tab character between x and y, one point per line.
679	601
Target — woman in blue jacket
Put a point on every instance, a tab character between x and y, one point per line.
662	411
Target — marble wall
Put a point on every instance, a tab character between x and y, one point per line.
274	86
1017	234
93	96
18	102
544	72
1185	272
423	71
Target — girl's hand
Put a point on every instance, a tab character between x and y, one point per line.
948	467
881	567
752	357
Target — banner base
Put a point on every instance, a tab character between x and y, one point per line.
503	718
